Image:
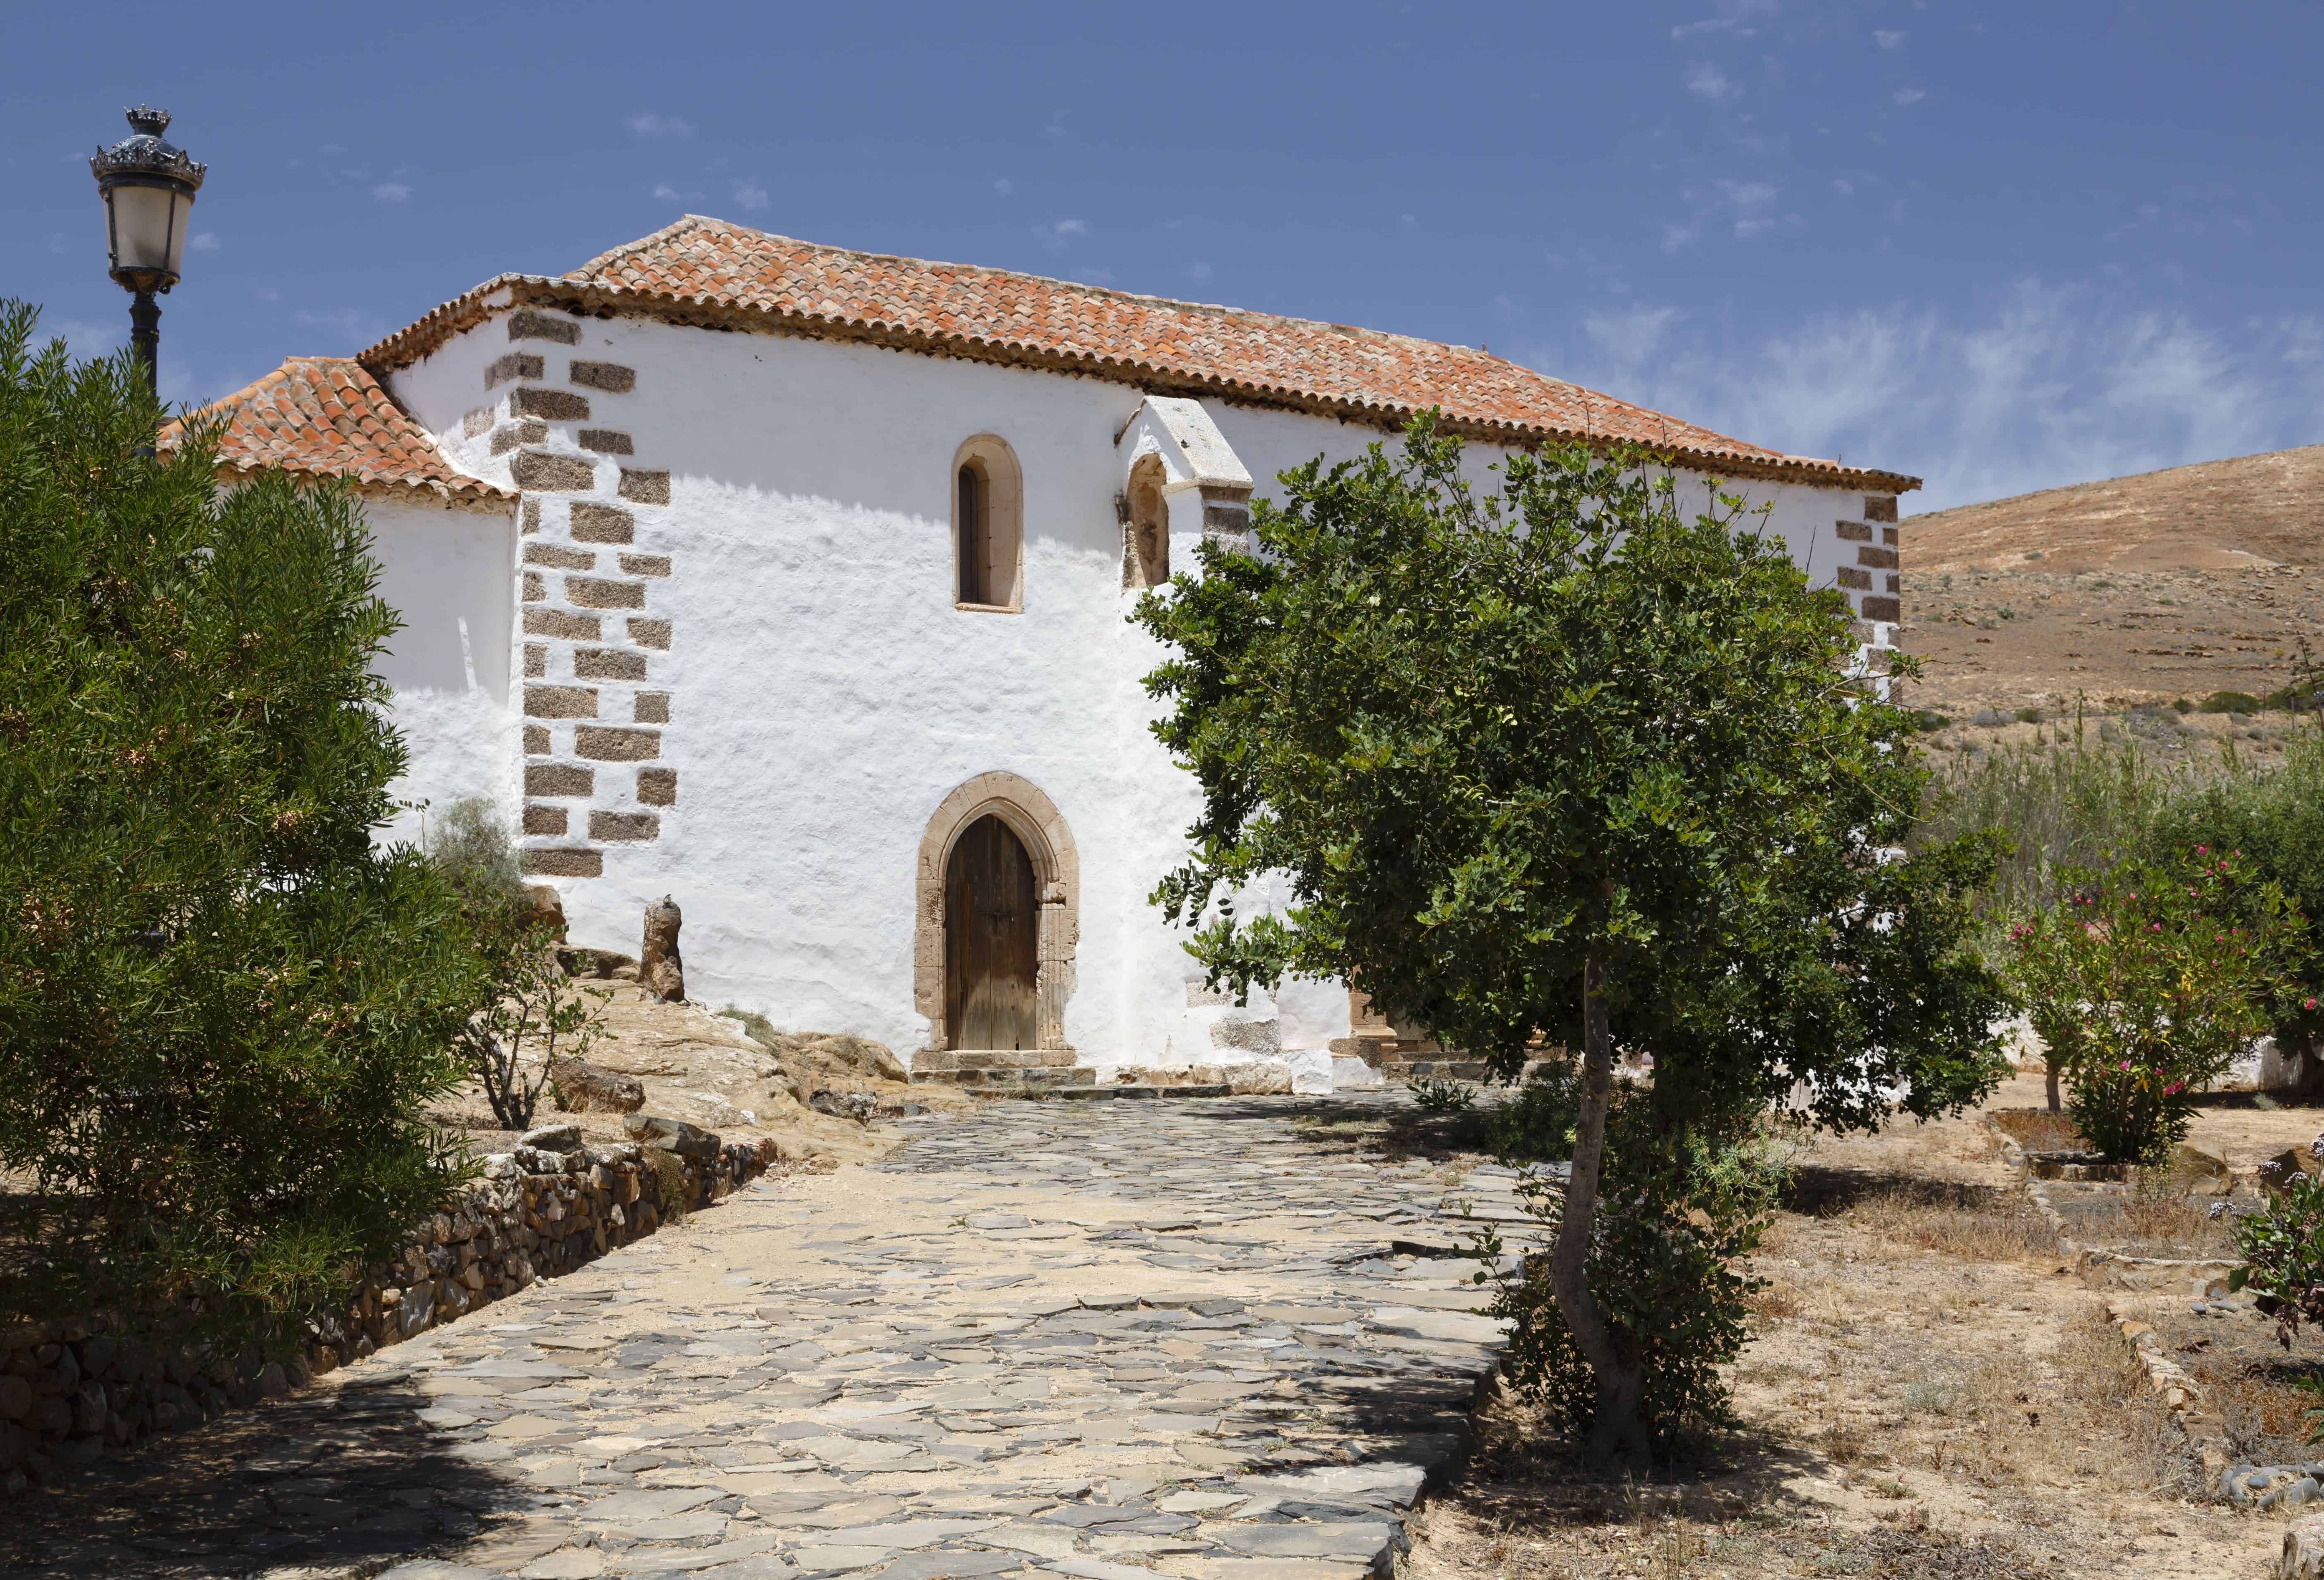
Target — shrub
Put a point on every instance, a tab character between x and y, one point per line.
2282	1249
1537	1124
532	1015
2229	702
1441	1096
2146	982
1678	1214
2065	811
222	1010
673	1195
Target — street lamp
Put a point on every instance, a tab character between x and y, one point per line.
149	188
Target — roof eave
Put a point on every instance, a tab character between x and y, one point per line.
471	494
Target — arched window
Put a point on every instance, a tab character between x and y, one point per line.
1146	550
987	527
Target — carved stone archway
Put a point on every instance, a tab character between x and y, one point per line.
1038	823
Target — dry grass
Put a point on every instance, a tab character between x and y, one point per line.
1981	1225
2154	1214
2037	1129
1773	1301
2249	1378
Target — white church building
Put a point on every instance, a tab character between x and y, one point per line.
792	582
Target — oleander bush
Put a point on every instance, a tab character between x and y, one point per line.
223	1010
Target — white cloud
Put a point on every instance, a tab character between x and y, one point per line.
204	241
1706	80
749	193
1888	38
1734	17
1908	96
646	124
1199	272
354	326
1002	188
390	192
1055	235
82	338
1073	227
1407	222
2049	386
1843	186
1747	205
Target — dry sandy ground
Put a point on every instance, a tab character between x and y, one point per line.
1927	1393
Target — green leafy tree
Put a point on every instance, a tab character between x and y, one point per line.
2145	981
221	1009
2275	820
1569	761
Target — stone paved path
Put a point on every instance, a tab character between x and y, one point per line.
1103	1341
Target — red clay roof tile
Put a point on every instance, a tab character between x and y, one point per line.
712	271
329	417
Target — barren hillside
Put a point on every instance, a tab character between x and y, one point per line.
2134	590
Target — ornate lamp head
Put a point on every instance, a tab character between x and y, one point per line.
149	188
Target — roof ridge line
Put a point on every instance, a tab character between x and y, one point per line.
992	271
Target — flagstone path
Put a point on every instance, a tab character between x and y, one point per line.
1104	1341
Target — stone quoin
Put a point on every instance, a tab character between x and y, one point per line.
847	542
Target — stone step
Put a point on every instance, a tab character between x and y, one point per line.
946	1061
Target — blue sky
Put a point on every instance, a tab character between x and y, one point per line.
2002	246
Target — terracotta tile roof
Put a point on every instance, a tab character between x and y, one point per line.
711	272
328	416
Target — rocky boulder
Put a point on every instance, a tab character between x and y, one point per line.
660	971
672	1135
834	1053
581	1087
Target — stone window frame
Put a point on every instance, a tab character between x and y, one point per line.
1002	532
1038	823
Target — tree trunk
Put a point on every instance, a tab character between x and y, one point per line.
1617	1434
2050	1075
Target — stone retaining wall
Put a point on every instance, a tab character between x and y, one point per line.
70	1392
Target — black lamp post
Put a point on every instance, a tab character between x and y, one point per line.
149	188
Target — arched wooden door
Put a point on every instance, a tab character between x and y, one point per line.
992	940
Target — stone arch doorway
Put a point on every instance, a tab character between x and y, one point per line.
992	927
996	848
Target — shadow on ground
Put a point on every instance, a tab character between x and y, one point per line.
337	1476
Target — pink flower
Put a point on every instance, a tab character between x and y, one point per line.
2202	850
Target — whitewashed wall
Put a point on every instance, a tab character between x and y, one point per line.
825	695
447	571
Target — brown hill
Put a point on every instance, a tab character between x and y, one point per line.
2139	589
